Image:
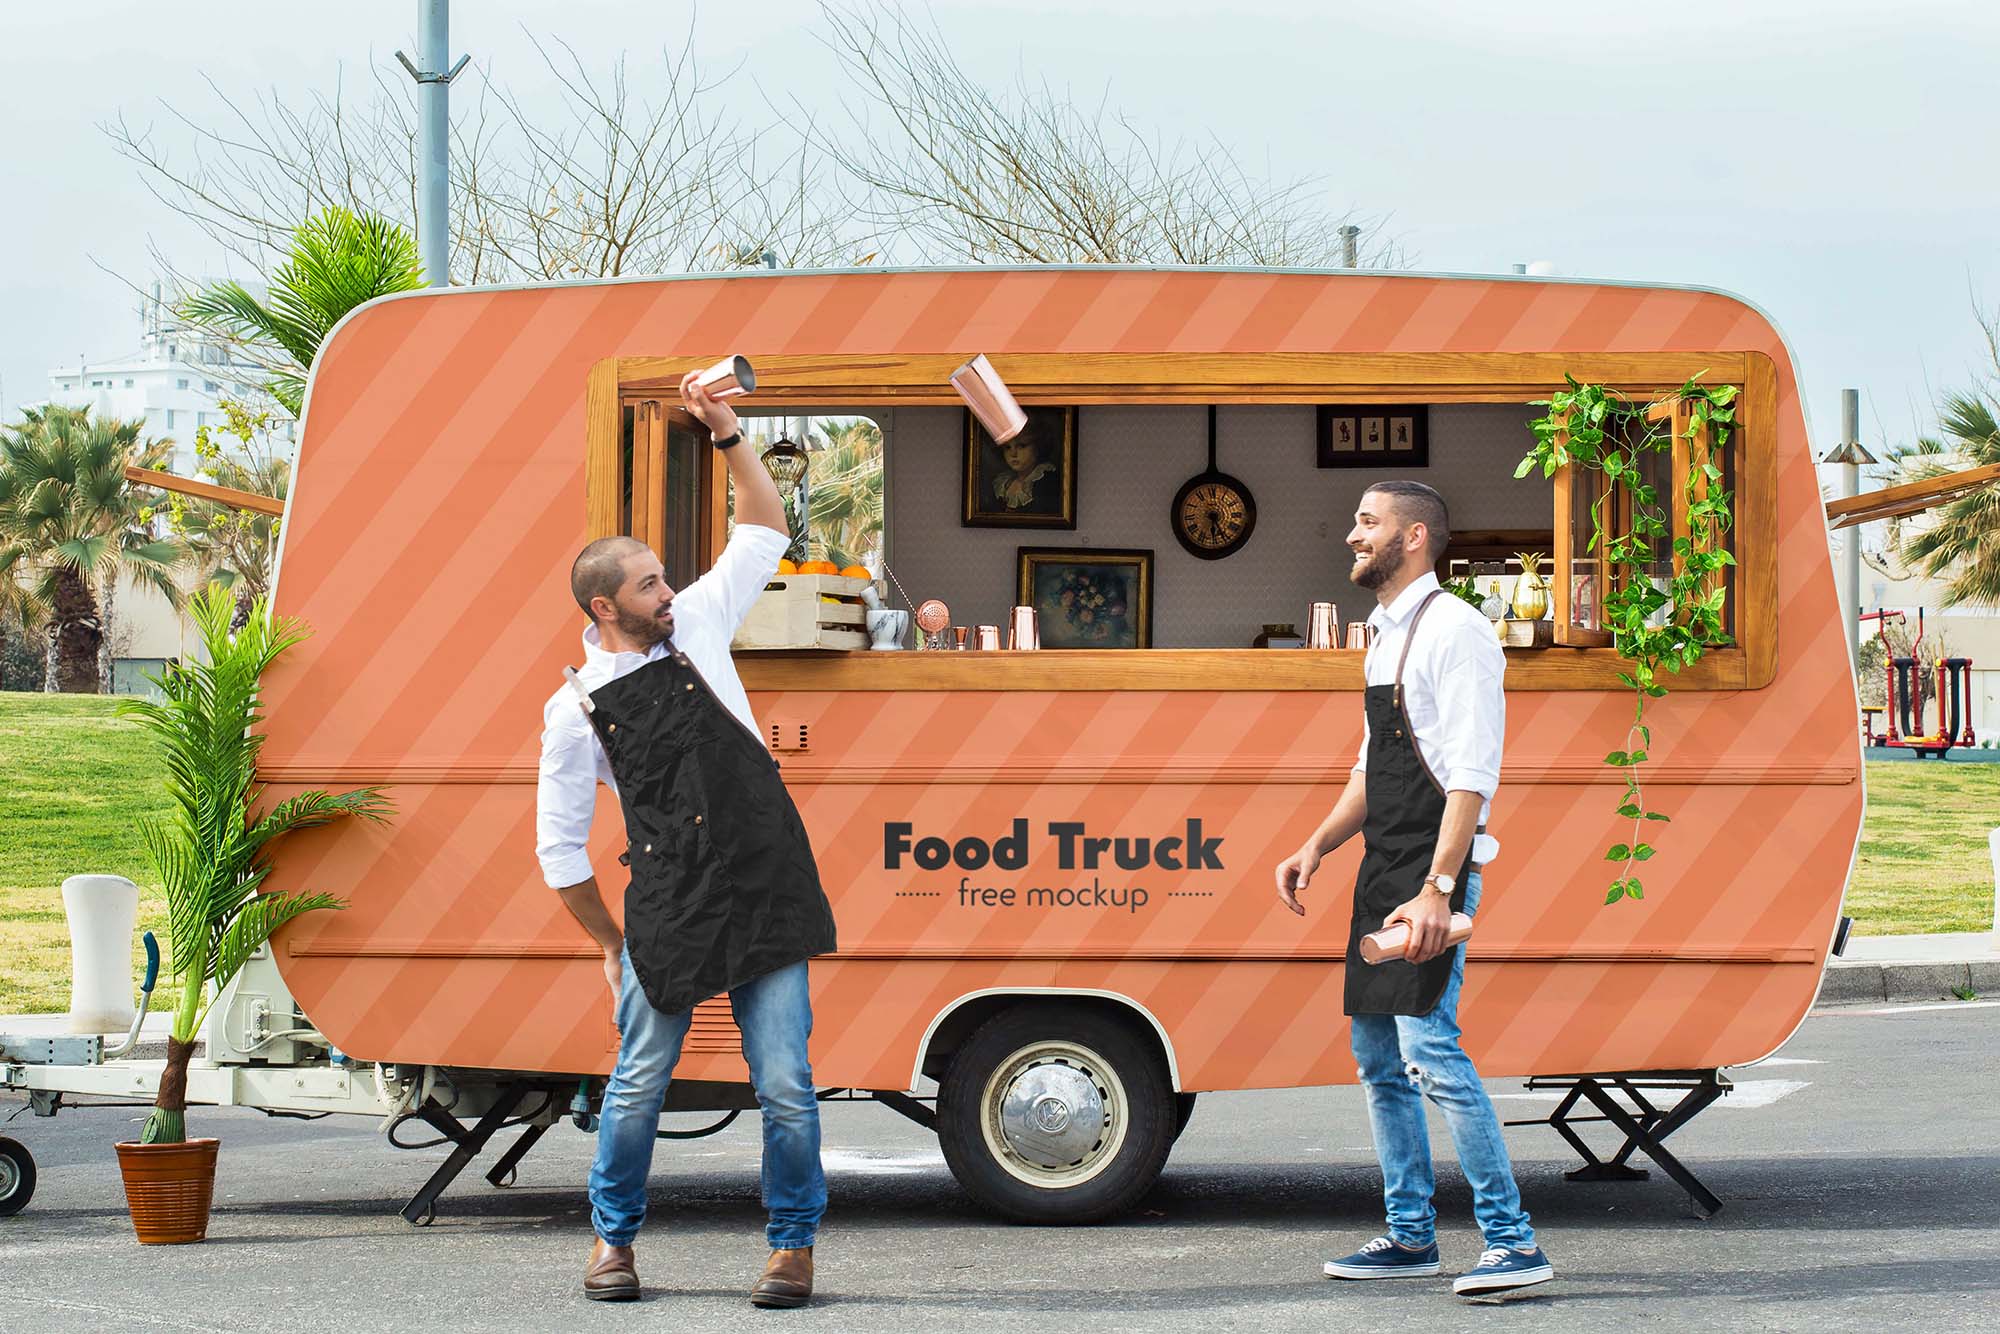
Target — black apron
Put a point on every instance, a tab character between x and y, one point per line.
1399	838
724	887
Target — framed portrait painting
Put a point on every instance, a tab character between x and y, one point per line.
1029	482
1088	598
1394	435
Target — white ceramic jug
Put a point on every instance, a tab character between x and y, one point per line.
102	910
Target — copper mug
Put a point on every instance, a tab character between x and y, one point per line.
731	377
986	638
989	398
1024	629
1359	634
1320	625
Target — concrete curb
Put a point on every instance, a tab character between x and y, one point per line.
1859	981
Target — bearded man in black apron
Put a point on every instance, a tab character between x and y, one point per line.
1435	722
724	897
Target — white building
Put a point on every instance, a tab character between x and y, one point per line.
174	381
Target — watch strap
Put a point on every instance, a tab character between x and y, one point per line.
725	442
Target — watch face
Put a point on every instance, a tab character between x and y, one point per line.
1213	516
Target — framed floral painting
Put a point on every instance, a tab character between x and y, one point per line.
1086	598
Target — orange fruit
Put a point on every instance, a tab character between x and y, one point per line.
856	572
787	567
819	567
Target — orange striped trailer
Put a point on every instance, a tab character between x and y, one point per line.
1071	996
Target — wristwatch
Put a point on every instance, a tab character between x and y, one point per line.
733	438
1443	884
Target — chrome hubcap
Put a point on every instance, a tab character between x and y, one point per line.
1054	1114
10	1177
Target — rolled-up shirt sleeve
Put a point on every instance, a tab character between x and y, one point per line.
1472	713
724	595
565	793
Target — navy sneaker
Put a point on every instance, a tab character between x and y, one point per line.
1503	1269
1383	1258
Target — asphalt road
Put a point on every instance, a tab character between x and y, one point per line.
1861	1174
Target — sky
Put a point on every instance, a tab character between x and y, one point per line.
1832	161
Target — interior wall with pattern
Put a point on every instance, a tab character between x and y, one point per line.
1131	460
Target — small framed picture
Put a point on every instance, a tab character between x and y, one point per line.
1089	597
1029	482
1363	436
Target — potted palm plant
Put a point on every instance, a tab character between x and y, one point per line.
212	854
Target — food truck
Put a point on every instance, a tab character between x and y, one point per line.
1051	869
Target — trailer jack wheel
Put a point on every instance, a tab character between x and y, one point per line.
1056	1114
17	1176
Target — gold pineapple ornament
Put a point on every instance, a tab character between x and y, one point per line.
1531	591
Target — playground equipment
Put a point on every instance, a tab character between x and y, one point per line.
1903	678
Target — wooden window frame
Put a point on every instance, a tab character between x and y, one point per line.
893	380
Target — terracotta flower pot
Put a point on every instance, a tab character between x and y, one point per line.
168	1188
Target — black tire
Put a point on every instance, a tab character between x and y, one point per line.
1183	1113
17	1176
1056	1060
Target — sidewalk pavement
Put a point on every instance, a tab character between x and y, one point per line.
1914	968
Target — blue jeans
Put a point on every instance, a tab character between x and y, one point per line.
774	1013
1401	1059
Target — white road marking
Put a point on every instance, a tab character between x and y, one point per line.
1748	1094
1842	1012
1777	1060
880	1164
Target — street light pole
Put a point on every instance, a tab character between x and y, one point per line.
433	145
1850	486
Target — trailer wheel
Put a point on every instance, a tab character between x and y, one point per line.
1183	1113
1056	1114
17	1176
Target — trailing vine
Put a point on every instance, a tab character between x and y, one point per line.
1601	431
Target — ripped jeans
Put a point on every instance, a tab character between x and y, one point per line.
1402	1059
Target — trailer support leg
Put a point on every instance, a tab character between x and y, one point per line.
503	1171
922	1114
468	1144
1644	1126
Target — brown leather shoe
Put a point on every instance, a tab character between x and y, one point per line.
612	1277
787	1281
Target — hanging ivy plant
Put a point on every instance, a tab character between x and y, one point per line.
1598	430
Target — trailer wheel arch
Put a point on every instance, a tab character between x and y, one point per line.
957	1021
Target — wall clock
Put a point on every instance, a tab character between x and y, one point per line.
1213	513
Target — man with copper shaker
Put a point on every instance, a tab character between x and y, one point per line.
1434	722
724	896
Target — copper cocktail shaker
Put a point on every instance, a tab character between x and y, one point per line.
1320	625
989	398
731	377
1023	629
986	638
1391	940
1359	634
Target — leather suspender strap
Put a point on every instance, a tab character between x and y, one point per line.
1410	637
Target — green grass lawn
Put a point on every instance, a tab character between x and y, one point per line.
78	779
1924	862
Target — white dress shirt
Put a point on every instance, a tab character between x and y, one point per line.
706	615
1454	689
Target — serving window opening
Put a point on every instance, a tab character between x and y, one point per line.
1086	525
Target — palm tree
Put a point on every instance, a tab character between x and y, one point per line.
212	852
845	507
1960	544
338	260
235	547
18	603
68	514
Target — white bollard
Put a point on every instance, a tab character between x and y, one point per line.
1993	846
102	911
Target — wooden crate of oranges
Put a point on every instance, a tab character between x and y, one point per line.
812	605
